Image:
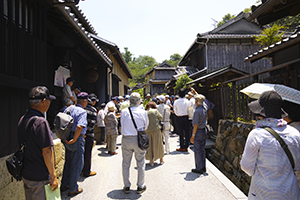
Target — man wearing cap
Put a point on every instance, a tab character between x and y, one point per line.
199	134
130	144
114	102
38	168
147	100
74	148
68	98
164	110
89	139
168	102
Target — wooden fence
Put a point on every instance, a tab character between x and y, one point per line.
234	103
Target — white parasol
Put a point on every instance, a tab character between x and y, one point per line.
287	93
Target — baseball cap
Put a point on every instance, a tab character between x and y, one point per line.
83	95
93	97
70	79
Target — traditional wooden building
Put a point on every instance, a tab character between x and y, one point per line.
226	45
157	77
37	40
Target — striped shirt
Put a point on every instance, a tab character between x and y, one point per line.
91	119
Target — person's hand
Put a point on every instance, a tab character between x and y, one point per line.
53	183
192	139
72	141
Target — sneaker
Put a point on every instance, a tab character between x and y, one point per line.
64	188
141	190
126	190
90	174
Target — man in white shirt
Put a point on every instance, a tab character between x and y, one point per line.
181	111
129	142
164	110
168	102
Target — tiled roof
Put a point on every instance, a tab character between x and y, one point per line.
274	47
219	35
80	25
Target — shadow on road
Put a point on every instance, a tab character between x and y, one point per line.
190	176
119	194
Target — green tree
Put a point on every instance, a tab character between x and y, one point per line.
270	35
288	23
174	59
127	55
247	10
182	82
138	67
226	19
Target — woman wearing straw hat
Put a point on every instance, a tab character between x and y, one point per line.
264	159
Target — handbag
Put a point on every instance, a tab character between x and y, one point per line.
14	163
283	145
162	127
143	139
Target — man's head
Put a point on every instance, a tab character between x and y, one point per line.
70	81
148	96
83	99
199	99
161	98
102	106
93	99
115	100
77	90
121	98
135	99
181	93
127	97
167	97
40	98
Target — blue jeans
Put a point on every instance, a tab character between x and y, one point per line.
73	164
199	151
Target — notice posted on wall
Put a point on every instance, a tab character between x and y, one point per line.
61	74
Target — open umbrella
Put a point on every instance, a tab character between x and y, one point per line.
287	93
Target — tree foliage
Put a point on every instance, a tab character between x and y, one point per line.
270	35
174	59
288	23
182	81
226	19
127	55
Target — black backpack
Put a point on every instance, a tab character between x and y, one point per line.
14	163
63	123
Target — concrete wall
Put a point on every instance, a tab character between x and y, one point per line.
227	152
10	189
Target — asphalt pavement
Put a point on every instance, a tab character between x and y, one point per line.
173	180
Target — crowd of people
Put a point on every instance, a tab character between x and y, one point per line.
185	115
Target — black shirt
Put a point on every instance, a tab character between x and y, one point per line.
34	167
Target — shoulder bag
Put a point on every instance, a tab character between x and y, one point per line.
14	163
143	139
283	145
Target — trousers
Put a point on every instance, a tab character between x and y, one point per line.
130	146
73	165
35	190
89	142
199	151
183	131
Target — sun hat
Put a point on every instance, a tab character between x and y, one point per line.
268	105
161	98
199	98
111	108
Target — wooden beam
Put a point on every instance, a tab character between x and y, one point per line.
15	82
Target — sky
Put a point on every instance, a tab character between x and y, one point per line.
157	28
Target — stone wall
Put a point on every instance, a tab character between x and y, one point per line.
227	152
11	189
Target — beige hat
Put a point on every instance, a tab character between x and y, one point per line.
111	108
199	98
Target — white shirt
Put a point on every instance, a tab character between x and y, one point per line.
181	107
100	118
267	163
140	117
164	110
168	102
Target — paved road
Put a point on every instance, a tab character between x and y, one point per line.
172	180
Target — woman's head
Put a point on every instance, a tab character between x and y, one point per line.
268	105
